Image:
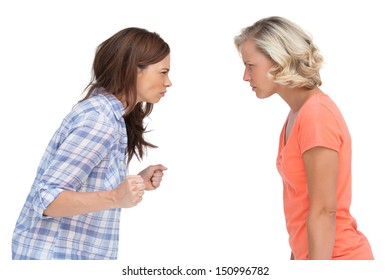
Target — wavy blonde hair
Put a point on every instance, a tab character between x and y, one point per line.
290	47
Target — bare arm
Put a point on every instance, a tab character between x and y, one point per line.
321	166
70	203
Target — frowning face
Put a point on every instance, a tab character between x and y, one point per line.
153	81
257	66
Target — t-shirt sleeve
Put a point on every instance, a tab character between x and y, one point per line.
318	127
88	142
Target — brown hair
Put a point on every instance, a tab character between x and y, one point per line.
115	69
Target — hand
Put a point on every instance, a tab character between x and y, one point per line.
152	176
129	193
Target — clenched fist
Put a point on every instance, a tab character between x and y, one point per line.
152	176
129	193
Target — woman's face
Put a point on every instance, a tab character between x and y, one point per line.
257	65
153	81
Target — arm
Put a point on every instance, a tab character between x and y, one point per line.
86	141
70	203
128	194
321	165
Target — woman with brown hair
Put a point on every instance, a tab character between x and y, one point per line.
73	208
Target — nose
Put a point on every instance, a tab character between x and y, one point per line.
246	76
168	82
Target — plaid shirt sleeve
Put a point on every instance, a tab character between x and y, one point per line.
82	145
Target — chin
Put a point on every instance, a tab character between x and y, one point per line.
262	96
155	101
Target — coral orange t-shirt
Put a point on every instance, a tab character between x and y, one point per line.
318	123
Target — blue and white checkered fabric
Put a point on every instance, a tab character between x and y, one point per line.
87	153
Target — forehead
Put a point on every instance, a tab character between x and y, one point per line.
248	48
164	63
250	52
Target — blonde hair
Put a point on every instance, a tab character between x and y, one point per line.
291	48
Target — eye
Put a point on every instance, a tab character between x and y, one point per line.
249	66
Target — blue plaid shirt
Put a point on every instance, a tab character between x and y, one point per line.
87	153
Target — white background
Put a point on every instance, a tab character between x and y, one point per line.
220	203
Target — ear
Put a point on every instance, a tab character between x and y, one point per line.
140	72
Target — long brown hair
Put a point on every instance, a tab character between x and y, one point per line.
115	69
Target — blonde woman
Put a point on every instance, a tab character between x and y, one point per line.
314	157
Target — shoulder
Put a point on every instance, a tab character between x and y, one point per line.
321	108
94	113
320	123
96	108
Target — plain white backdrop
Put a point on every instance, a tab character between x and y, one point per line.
220	203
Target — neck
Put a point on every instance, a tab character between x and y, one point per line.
296	97
122	99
